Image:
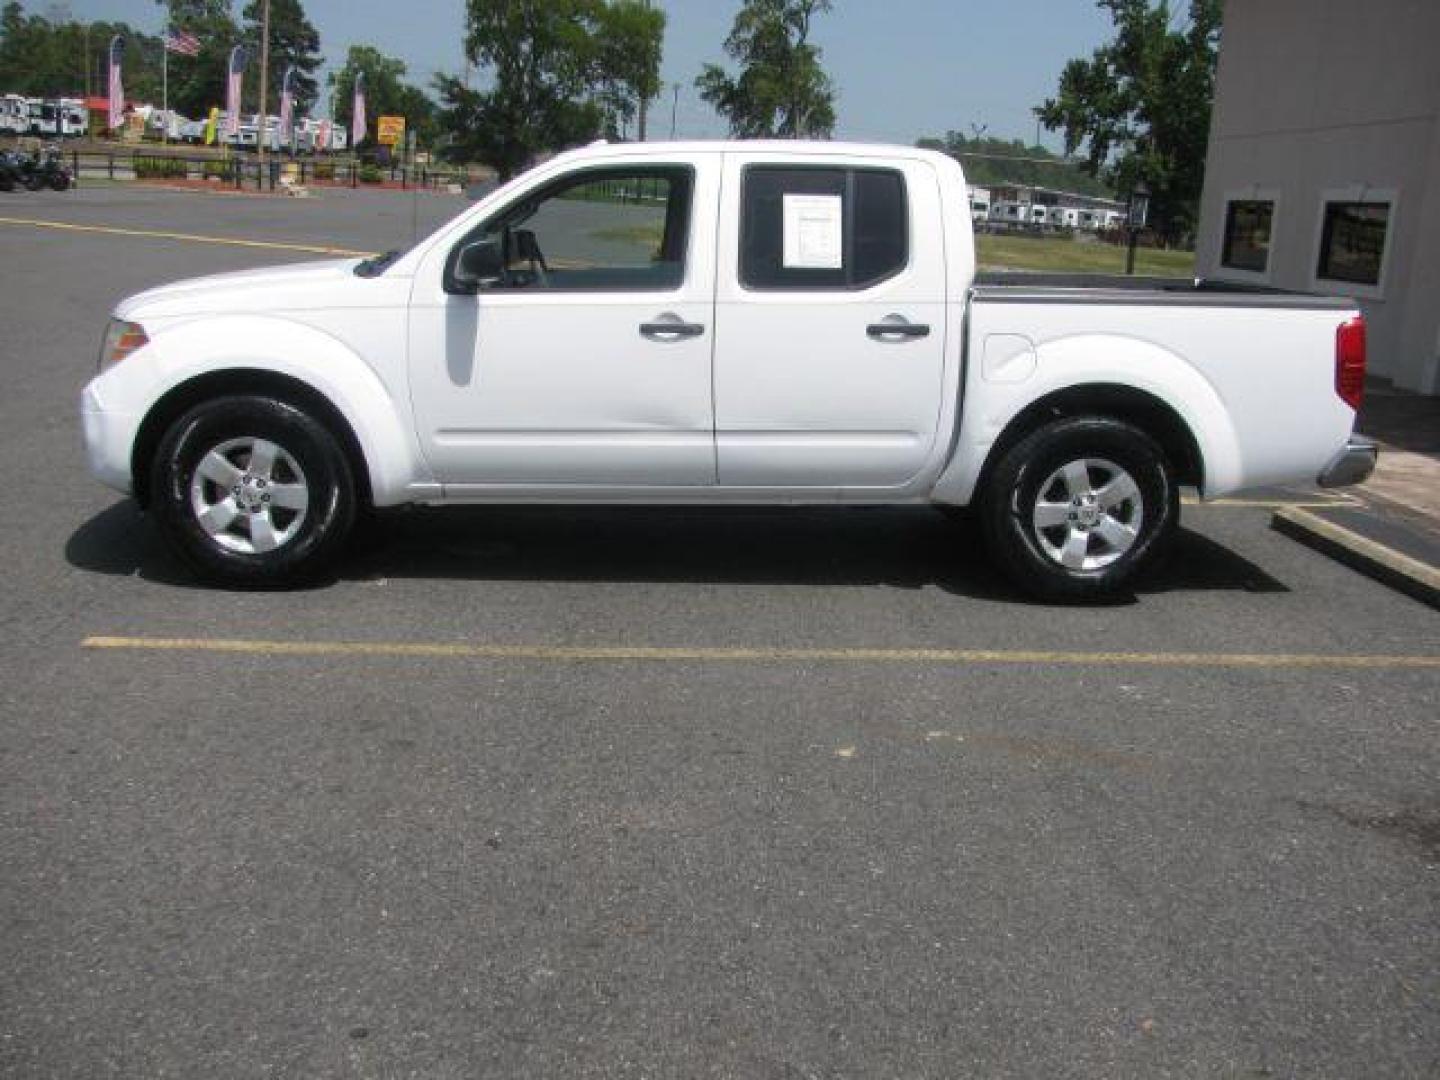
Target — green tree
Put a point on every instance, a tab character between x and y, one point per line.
562	71
991	161
293	40
781	91
197	83
39	58
386	93
629	39
1140	106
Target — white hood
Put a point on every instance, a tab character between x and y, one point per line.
306	286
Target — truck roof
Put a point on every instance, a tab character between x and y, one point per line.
779	147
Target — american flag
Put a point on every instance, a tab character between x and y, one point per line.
117	92
357	118
322	137
232	90
287	104
183	42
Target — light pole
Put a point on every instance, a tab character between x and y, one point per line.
674	107
1136	215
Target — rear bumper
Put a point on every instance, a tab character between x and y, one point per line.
1353	464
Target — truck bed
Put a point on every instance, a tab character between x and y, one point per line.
1018	287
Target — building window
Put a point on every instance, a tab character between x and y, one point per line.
1352	242
822	228
1248	224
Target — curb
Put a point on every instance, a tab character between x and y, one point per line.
1374	560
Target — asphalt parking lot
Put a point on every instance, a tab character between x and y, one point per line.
680	793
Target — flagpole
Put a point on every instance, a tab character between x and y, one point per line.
264	87
165	87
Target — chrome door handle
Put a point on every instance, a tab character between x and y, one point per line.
671	331
882	330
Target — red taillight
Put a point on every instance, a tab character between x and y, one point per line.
1350	362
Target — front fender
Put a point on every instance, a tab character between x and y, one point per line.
1072	362
182	351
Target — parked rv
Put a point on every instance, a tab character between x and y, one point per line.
14	115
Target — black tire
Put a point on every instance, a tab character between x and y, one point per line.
1039	557
7	182
308	460
60	181
34	182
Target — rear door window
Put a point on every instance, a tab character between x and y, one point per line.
822	228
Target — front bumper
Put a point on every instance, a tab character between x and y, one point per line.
109	437
1353	464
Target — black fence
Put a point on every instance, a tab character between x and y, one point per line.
245	171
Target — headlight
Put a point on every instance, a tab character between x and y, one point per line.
121	339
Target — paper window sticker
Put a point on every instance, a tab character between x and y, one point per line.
814	232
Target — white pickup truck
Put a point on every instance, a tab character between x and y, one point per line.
732	323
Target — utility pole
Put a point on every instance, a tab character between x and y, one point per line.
644	105
262	132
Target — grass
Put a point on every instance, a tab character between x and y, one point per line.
1062	256
648	236
1054	255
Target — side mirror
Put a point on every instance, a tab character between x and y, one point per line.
476	264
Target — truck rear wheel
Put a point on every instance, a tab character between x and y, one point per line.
1078	507
252	491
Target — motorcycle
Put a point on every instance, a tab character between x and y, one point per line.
45	169
10	173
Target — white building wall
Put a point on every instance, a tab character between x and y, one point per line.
1316	98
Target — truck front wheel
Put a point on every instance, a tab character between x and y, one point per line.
252	491
1077	508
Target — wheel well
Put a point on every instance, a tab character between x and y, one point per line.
1136	407
233	382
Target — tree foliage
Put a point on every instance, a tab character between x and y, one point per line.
781	91
197	83
40	58
293	40
386	93
562	72
990	161
628	40
1140	105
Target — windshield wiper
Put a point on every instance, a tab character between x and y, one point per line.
376	264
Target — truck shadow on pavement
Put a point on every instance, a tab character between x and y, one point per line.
900	548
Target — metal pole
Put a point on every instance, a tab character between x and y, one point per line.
674	107
165	86
1130	255
263	135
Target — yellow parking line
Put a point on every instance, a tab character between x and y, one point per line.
570	653
1273	504
189	238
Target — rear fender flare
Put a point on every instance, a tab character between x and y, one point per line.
1082	360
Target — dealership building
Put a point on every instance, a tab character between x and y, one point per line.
1324	165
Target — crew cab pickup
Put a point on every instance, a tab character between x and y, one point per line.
737	323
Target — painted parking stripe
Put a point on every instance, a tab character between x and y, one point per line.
761	654
189	238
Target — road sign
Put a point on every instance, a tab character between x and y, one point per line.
391	130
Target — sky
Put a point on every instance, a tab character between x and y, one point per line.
903	68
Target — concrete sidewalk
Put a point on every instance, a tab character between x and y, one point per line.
1392	531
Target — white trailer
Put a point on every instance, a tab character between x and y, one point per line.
44	118
14	115
979	204
74	118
